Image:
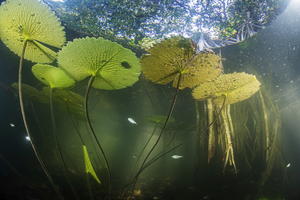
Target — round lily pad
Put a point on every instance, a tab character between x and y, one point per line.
52	76
174	56
31	20
113	66
235	87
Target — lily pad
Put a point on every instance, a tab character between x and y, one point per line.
235	87
52	76
32	93
158	118
174	56
113	66
31	20
65	96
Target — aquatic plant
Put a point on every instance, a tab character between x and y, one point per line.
55	78
58	80
159	120
110	66
63	97
30	25
234	87
31	93
175	59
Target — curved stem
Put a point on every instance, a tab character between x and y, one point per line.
77	130
197	135
162	152
27	129
169	115
124	191
93	132
66	173
42	132
144	147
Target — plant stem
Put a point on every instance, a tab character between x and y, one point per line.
27	129
93	132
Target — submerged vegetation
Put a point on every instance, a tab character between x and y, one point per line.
222	118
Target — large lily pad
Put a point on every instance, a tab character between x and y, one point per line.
175	56
31	20
235	87
113	66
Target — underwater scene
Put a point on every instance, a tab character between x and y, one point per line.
148	99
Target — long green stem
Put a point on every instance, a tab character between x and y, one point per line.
125	190
167	120
27	129
93	132
145	147
163	129
77	130
73	121
192	138
65	171
42	132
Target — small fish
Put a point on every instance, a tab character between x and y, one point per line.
12	125
269	148
177	157
288	165
27	138
132	121
135	156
